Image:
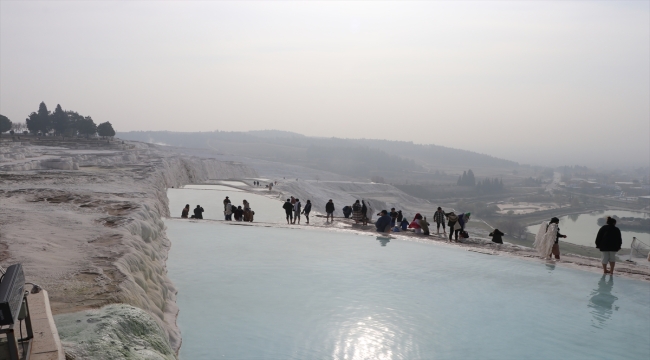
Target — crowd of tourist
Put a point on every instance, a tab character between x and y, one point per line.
608	239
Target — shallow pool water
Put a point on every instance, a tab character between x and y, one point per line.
211	187
266	209
281	293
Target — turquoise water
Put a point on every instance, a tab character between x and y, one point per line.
581	229
280	293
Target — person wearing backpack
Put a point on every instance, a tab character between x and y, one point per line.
609	241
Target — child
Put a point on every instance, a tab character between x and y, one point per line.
496	236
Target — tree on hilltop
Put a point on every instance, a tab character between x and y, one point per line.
5	124
39	121
59	120
86	126
105	129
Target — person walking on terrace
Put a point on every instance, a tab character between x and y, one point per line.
356	212
364	213
452	219
547	239
307	210
297	208
288	209
609	241
329	209
439	218
228	212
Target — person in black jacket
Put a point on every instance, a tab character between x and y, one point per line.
347	210
288	209
329	209
496	236
198	212
609	241
306	210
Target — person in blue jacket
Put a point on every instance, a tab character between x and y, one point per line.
383	223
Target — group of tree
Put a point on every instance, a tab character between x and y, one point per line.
531	182
5	124
467	179
65	123
489	185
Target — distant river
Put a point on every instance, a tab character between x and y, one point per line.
581	229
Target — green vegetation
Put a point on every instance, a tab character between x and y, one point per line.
5	124
65	123
105	130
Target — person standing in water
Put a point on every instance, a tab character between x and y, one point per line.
297	207
186	211
609	241
329	209
288	209
307	210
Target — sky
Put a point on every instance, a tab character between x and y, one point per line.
544	83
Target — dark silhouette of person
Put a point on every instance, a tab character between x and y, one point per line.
288	209
198	212
186	211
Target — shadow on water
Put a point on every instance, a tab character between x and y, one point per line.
602	301
574	217
383	240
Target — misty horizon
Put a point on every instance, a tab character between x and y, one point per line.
547	84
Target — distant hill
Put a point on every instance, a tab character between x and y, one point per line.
353	157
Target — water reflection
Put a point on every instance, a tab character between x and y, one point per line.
602	301
372	338
383	240
550	265
574	217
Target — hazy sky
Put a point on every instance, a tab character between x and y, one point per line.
537	82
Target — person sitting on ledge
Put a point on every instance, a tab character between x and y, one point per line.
186	211
198	212
383	223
